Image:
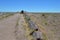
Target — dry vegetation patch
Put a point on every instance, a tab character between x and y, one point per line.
50	22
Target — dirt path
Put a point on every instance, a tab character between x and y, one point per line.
21	32
7	28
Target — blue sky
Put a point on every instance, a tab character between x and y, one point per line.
30	5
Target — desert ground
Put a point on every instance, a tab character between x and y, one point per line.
49	23
16	26
11	28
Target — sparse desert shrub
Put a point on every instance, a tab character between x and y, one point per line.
43	14
45	23
22	12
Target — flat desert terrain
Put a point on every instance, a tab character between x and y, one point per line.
49	23
18	27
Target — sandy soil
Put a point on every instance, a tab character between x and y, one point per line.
8	28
